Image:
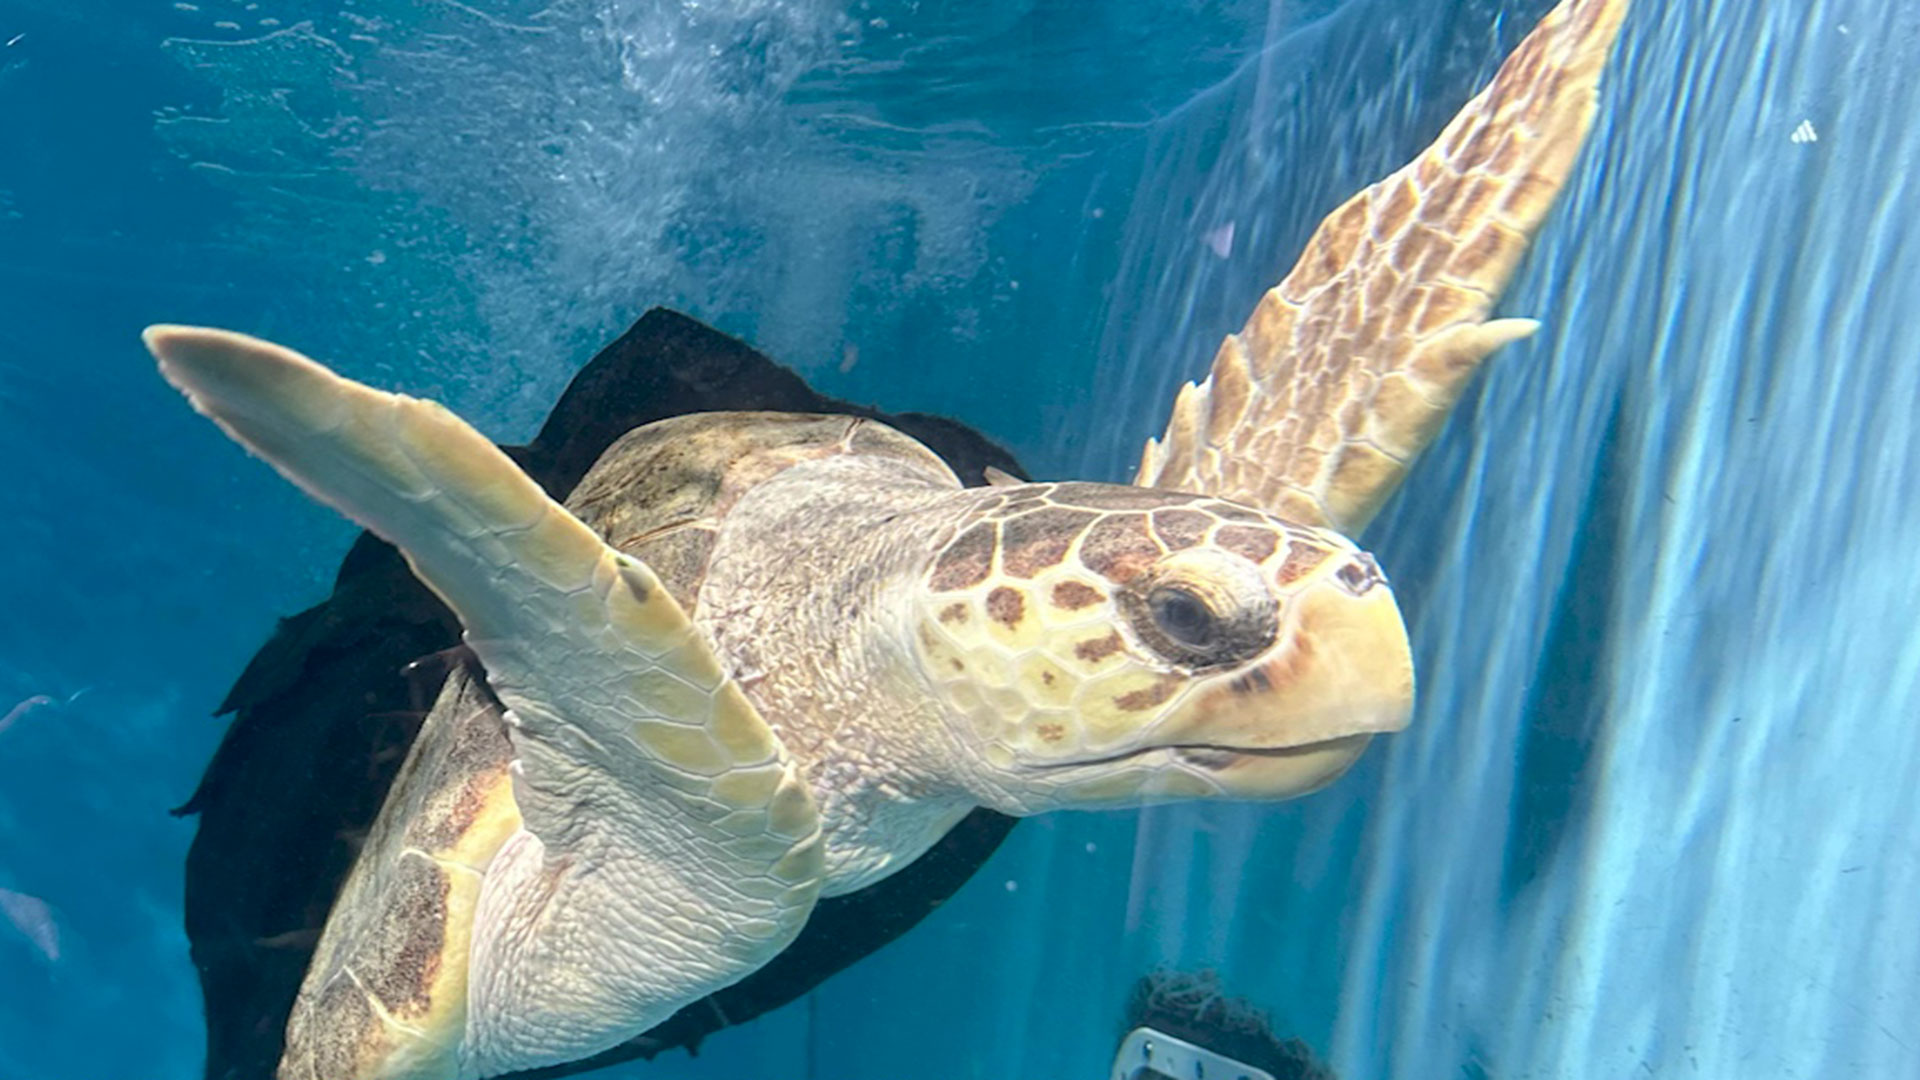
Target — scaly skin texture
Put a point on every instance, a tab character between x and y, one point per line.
1347	368
1038	626
802	599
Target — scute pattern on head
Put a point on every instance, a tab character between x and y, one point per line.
1036	539
968	560
1177	528
1300	561
1027	635
1250	542
1119	546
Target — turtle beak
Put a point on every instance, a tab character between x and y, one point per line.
1340	672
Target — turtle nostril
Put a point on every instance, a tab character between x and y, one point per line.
1360	575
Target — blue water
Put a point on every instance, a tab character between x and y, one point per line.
1655	813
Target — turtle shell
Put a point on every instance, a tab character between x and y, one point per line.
660	492
325	713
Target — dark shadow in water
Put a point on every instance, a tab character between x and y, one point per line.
1566	704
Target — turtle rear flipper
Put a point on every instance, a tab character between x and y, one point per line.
1348	367
669	847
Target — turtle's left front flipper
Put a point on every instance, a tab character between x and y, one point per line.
1348	367
669	846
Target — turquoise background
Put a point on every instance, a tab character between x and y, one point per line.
1655	813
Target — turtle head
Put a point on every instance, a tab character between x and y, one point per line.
1095	645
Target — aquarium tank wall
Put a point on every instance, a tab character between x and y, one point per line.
1653	812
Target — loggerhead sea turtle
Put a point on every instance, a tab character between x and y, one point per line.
759	658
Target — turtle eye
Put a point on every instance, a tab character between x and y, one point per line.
1183	616
1202	608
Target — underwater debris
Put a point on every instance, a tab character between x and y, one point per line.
18	712
36	702
1192	1006
1220	240
34	919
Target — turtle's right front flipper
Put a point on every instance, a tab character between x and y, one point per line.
669	846
1318	406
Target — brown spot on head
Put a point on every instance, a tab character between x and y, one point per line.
1301	559
1074	595
1046	678
1094	650
1034	541
955	612
968	560
1118	547
1148	696
1006	606
1250	542
1179	529
1052	732
957	665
